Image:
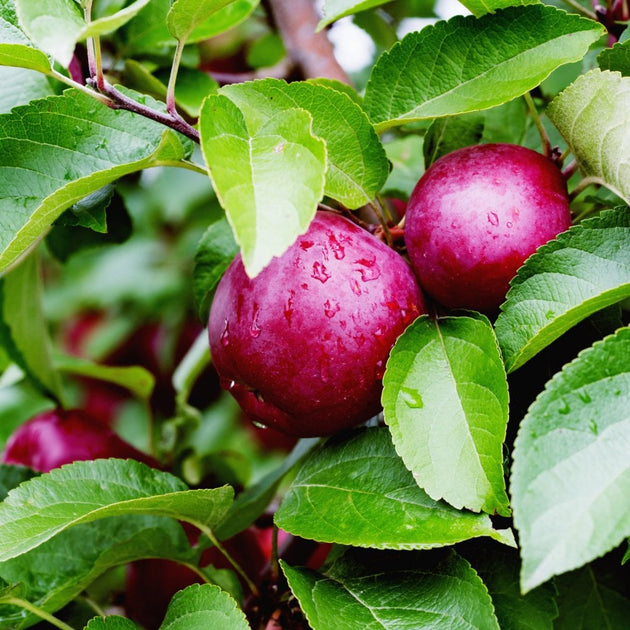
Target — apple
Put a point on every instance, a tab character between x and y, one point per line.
302	346
54	438
474	217
151	583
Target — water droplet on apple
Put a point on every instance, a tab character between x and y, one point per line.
493	218
368	269
411	397
320	272
354	285
337	247
225	335
254	330
331	309
288	307
380	370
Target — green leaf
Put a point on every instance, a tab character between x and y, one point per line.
269	179
593	116
359	590
19	86
469	64
406	157
23	326
445	399
214	253
571	468
111	622
355	490
204	606
582	271
12	476
58	571
453	132
225	19
481	7
109	23
136	379
498	567
87	491
616	58
55	26
333	10
185	15
58	150
588	601
357	164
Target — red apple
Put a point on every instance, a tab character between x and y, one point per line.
475	216
303	345
54	438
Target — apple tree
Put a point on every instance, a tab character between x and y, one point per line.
236	390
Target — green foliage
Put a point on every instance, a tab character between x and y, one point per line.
494	429
445	400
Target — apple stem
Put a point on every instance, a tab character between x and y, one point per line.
237	567
544	136
570	169
42	614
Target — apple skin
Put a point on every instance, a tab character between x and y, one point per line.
54	438
475	216
302	347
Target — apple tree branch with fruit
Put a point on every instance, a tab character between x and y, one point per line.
285	345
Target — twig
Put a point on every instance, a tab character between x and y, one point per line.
311	51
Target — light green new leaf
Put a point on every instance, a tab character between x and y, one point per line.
136	379
269	178
445	399
593	116
185	15
55	26
23	326
204	606
111	622
389	591
469	64
571	474
58	150
481	7
579	273
86	491
335	9
58	571
357	164
355	490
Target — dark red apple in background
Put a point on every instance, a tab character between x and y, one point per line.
154	345
54	438
303	346
475	216
150	584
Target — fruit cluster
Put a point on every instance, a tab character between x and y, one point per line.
303	345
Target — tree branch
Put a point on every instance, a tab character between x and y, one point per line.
311	51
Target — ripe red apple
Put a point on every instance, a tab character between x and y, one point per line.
303	346
475	216
54	438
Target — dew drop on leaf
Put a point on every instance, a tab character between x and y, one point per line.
411	397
